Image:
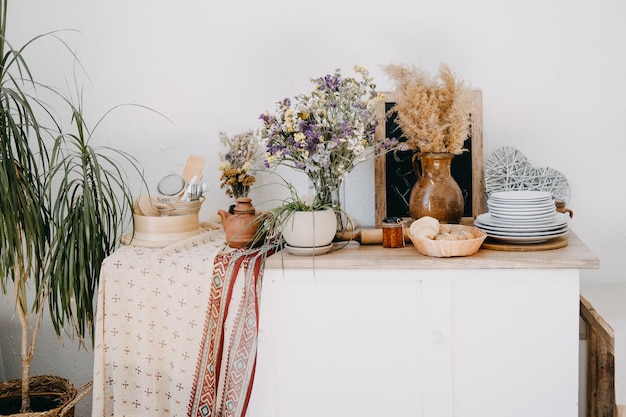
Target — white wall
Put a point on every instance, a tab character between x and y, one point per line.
552	75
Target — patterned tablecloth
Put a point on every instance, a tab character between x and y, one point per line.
176	330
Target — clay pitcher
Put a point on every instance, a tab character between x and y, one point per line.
435	193
242	225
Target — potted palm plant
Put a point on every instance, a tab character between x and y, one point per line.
63	203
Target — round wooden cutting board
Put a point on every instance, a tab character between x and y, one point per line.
556	243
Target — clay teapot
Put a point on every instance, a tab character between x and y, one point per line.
242	225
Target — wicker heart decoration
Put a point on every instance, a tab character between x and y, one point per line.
508	169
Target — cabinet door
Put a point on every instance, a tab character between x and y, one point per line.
515	343
339	343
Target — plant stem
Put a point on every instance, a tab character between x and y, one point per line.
28	347
26	352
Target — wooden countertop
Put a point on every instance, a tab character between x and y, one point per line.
575	255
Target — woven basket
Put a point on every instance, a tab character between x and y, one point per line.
178	208
45	385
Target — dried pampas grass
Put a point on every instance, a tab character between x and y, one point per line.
433	112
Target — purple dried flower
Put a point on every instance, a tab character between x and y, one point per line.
327	132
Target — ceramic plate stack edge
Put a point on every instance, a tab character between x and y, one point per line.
522	217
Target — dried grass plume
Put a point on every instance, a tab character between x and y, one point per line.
433	112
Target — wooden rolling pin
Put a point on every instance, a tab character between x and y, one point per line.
368	236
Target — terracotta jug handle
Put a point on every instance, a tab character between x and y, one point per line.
417	166
560	207
568	211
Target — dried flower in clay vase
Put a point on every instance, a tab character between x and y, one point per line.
434	116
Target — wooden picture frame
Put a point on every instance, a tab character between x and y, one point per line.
391	193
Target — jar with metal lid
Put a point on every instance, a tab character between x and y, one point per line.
393	232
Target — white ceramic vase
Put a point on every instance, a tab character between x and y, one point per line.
310	229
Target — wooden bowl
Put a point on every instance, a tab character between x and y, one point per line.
449	248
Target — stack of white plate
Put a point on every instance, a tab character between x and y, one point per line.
522	217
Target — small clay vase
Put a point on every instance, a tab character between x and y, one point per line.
240	226
435	193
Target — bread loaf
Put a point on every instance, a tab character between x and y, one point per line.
429	228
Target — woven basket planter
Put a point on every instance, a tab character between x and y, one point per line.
65	394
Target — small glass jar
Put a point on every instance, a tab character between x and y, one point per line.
393	232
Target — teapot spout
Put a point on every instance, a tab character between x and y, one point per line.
224	215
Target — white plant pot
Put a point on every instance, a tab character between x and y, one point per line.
309	229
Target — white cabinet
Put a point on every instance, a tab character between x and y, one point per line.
376	342
417	340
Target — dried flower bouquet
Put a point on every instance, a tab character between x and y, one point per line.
326	132
433	112
237	162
